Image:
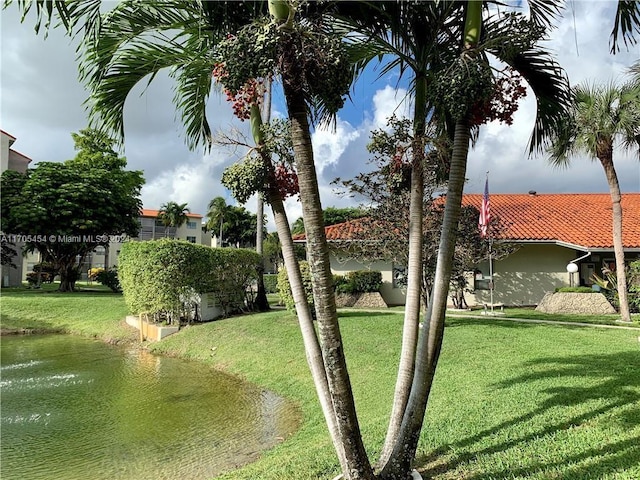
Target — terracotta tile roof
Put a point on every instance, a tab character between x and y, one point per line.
574	219
147	212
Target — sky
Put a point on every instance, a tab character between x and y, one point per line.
41	103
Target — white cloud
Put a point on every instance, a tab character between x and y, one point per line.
329	143
388	102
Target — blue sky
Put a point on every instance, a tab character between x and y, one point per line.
41	104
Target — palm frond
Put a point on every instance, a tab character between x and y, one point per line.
626	24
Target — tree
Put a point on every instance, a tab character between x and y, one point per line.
68	209
602	117
216	214
331	216
273	250
240	227
174	214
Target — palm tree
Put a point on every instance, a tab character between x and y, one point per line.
216	214
173	216
600	118
398	30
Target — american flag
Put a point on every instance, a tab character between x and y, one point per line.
485	211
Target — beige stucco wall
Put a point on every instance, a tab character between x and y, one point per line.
522	278
391	295
525	276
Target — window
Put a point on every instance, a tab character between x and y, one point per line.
191	239
399	276
192	225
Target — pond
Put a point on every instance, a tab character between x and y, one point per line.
74	408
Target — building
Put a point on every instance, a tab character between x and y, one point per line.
549	231
151	228
11	159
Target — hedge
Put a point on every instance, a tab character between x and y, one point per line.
284	288
271	282
165	277
359	281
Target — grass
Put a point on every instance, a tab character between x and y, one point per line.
92	311
530	313
510	400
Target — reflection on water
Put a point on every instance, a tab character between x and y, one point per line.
79	409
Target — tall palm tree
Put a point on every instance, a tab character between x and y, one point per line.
216	213
398	30
602	117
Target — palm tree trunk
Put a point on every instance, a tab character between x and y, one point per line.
414	276
357	462
262	304
430	342
618	247
305	319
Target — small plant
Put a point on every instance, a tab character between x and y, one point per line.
575	290
94	272
108	278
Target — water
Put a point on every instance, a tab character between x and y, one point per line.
73	408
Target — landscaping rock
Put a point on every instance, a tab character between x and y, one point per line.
360	300
582	303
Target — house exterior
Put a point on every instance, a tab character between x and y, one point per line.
11	159
549	231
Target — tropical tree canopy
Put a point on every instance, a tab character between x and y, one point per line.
68	209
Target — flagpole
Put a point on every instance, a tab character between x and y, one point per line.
491	274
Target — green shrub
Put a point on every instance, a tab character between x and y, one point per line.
342	285
575	290
365	281
163	278
108	278
284	288
271	282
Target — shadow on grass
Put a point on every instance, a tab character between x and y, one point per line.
365	314
617	384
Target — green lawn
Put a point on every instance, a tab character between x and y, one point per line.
510	400
530	313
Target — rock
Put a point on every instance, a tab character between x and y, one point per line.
360	300
581	303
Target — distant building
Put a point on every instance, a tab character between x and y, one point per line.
11	159
151	228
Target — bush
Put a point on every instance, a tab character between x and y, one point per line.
359	281
365	281
48	268
32	278
165	277
284	288
575	290
94	272
108	278
271	282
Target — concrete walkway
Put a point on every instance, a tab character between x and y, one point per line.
452	314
